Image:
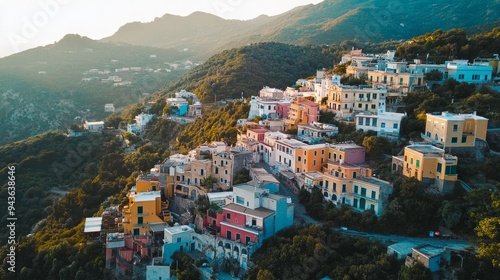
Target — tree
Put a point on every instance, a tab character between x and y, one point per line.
417	271
434	75
208	183
488	232
265	274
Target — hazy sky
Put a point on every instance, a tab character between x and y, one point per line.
26	24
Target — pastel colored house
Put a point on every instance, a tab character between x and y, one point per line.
386	124
179	106
462	71
302	111
345	100
428	164
351	184
310	158
177	239
455	130
94	126
347	152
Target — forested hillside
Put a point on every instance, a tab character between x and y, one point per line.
447	45
246	70
51	87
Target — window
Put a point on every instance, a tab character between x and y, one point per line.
464	139
374	195
485	77
326	184
374	106
346	95
228	216
247	239
451	170
314	162
179	240
454	139
344	187
225	172
372	207
202	172
374	122
395	126
455	127
382	125
439	167
460	76
363	191
322	152
355	189
374	96
360	105
139	209
300	158
140	220
476	77
355	204
240	200
361	95
411	160
254	222
315	153
334	187
418	163
238	236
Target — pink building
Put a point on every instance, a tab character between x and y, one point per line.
302	111
256	134
282	109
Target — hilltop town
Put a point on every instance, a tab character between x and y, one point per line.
220	202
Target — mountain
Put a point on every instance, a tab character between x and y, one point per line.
331	21
53	86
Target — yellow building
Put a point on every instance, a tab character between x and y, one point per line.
143	210
455	130
428	164
145	206
350	184
310	157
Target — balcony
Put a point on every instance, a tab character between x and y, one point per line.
368	198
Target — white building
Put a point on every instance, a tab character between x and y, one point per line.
109	107
285	150
94	126
266	148
386	124
268	92
316	132
141	121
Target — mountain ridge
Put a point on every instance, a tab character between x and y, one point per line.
327	22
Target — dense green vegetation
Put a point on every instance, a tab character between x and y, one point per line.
47	166
314	252
99	167
447	45
218	124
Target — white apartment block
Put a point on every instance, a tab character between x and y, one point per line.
386	124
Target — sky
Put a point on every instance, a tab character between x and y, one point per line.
27	24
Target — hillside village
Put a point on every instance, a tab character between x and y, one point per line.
220	201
